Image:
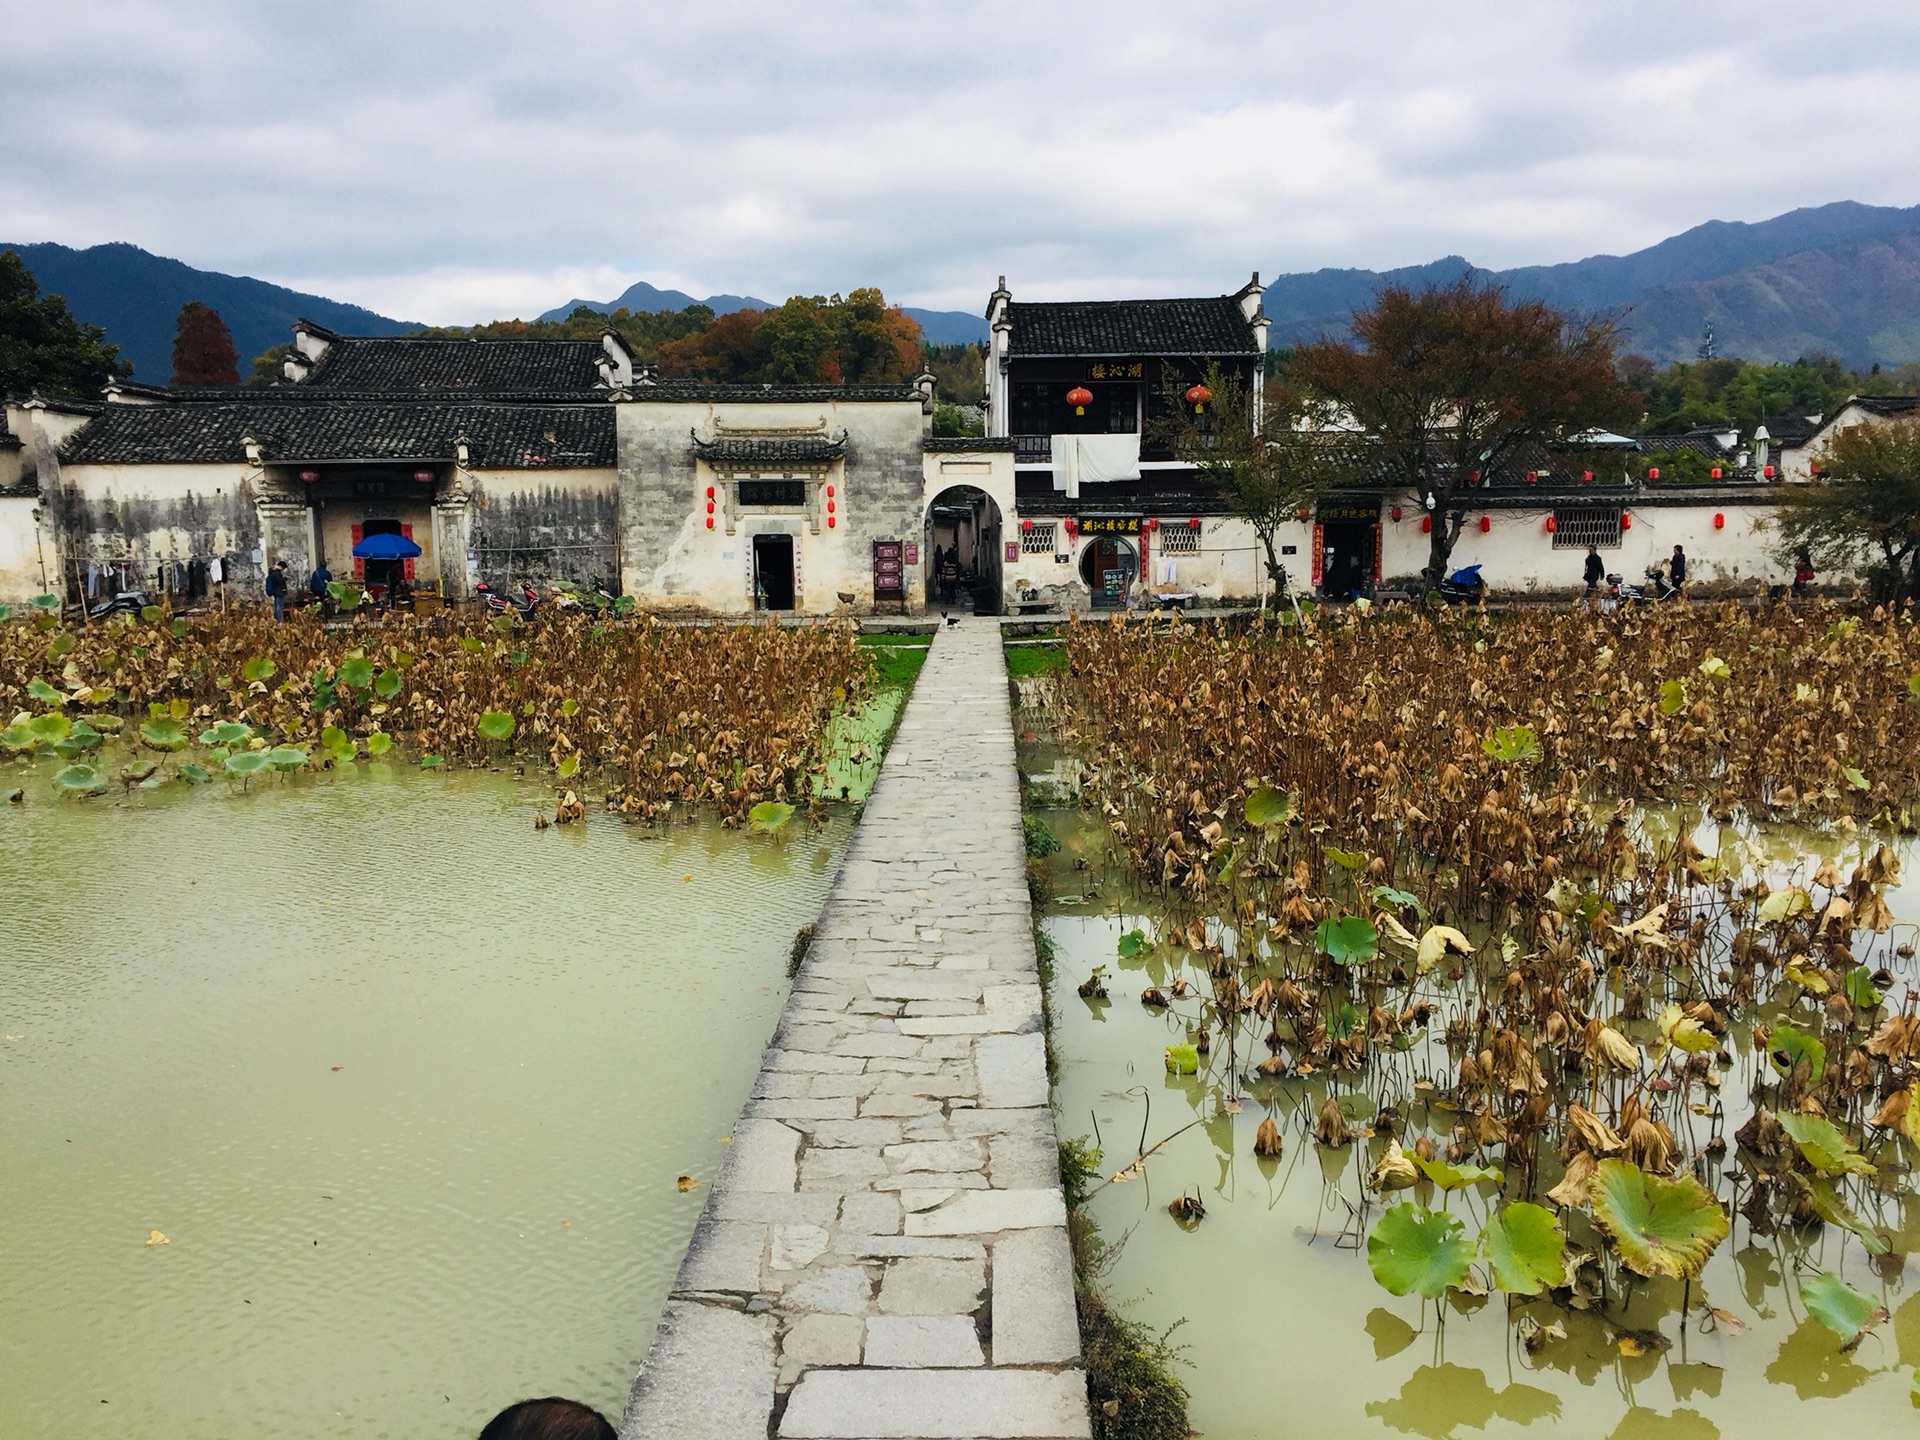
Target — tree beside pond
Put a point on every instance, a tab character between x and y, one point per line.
1867	498
1454	381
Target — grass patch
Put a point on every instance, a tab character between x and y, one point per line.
1028	660
896	659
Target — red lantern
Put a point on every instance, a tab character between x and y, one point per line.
425	477
1475	477
1486	523
1395	512
1079	397
829	507
709	507
1626	521
1768	472
709	492
831	522
1026	525
309	475
1552	524
1426	524
1586	477
1301	514
1653	472
1719	522
1153	524
709	522
1194	523
1716	472
829	491
1532	476
1072	526
1198	396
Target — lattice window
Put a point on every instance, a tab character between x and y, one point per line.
1577	529
1178	540
1039	540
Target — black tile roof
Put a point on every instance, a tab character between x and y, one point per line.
499	436
1790	429
403	364
960	444
772	449
681	392
1208	326
1887	405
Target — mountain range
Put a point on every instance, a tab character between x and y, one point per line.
1841	279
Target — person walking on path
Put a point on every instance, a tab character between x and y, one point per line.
277	589
1596	571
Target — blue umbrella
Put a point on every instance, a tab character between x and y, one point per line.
386	547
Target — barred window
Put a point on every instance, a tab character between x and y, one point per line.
1577	529
1179	540
1038	540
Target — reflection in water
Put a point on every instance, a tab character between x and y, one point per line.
1440	1399
1815	1367
1640	1423
405	1085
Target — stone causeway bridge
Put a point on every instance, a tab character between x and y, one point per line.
884	1255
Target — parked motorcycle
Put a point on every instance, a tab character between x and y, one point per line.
523	603
130	602
1656	588
1464	586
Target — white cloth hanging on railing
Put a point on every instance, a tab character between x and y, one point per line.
1094	460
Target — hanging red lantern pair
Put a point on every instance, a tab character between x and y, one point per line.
1079	397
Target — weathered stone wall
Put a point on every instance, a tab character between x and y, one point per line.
155	514
545	525
671	559
24	562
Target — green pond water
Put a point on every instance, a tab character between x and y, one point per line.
1288	1334
406	1086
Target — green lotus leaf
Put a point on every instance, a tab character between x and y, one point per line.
259	668
246	762
79	778
1714	668
287	757
1673	697
1345	859
1350	941
48	603
1828	1205
1659	1226
195	774
494	725
568	767
357	673
624	605
43	692
471	645
6	612
226	732
1134	942
767	817
1183	1060
1512	745
1854	778
1787	1047
569	708
1346	1021
106	724
1456	1177
138	770
1840	1307
48	728
164	735
401	659
150	613
431	762
60	646
1417	1251
1859	988
379	742
17	739
387	684
1268	807
179	628
332	737
1823	1146
1527	1248
1399	899
527	708
1785	904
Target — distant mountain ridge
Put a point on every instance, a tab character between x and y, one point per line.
135	296
941	327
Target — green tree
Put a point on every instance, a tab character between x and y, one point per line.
1867	498
1266	472
42	347
1455	380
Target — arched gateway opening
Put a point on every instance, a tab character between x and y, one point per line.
963	551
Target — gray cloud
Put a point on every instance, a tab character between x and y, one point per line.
461	161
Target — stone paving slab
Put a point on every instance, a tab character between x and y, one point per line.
884	1254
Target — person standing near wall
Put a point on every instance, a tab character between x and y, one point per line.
1596	570
1677	568
277	589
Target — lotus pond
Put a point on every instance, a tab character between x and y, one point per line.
1493	1024
344	1103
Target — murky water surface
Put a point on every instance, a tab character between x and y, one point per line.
1288	1334
405	1085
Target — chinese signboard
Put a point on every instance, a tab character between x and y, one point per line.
1117	370
889	579
1365	513
1109	524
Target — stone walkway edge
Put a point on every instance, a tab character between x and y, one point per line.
884	1253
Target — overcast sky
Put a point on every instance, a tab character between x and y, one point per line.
457	162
